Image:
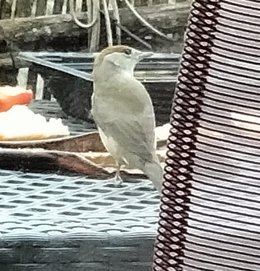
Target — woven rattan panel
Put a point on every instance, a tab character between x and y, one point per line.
55	222
210	218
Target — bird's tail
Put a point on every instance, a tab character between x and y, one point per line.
154	172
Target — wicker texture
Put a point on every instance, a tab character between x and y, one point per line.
210	206
52	222
56	222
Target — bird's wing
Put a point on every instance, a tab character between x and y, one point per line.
127	116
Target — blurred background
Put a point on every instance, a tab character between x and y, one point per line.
46	25
49	46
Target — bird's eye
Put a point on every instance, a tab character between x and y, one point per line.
128	51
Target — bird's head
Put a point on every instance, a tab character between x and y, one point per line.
120	58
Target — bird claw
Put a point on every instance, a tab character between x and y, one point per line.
117	181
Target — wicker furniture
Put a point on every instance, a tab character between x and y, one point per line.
210	219
52	222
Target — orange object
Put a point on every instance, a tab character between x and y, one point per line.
10	96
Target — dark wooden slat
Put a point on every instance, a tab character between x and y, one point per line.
57	9
23	8
41	7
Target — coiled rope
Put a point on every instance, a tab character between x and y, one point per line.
95	6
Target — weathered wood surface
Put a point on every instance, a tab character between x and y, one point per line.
98	164
59	32
46	160
84	154
87	142
36	33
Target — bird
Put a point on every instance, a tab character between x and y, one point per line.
123	112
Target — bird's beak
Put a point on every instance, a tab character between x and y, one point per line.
142	55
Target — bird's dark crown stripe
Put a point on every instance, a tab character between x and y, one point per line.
110	50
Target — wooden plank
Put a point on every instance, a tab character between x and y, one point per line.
43	160
22	77
65	6
22	8
58	7
13	9
34	8
94	33
49	7
2	9
41	7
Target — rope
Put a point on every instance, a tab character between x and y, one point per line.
132	35
77	21
95	11
145	23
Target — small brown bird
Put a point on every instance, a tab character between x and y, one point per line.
123	112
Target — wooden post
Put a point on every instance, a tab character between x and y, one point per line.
64	8
94	33
41	7
108	23
49	7
34	8
13	9
116	17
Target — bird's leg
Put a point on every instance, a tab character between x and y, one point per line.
118	180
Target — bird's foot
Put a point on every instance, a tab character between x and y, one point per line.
117	180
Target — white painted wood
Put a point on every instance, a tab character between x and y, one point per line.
64	7
39	87
13	9
49	7
22	77
34	8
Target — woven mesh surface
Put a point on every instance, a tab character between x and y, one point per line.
210	218
56	222
70	204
